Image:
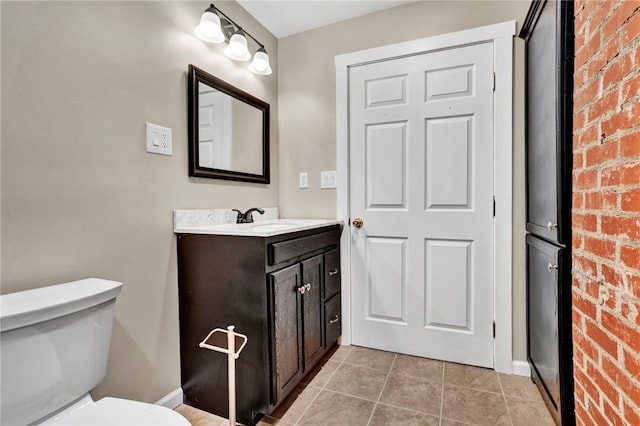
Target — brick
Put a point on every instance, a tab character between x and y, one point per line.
627	7
620	226
584	96
630	145
632	363
585	180
587	266
587	52
601	153
578	161
631	29
611	276
631	414
621	120
603	383
585	306
621	331
630	256
630	310
593	200
588	137
613	414
630	201
630	174
577	201
633	285
580	119
608	102
610	176
602	340
600	248
576	241
630	88
629	387
586	222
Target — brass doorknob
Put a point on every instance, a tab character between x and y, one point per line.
357	222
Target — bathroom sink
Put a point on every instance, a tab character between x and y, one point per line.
266	228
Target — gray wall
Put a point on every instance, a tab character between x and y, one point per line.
80	196
306	91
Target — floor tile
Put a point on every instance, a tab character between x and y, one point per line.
294	405
338	353
199	417
392	416
413	393
527	412
266	420
418	367
364	357
320	374
474	406
331	408
357	381
519	386
472	377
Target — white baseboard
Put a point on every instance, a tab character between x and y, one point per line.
171	400
521	368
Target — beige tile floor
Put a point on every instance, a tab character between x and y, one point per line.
360	386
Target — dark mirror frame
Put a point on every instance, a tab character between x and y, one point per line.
196	76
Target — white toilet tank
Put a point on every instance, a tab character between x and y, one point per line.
54	345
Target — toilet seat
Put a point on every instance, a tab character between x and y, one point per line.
122	412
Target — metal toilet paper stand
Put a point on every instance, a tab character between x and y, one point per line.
226	341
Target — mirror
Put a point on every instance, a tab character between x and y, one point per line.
228	130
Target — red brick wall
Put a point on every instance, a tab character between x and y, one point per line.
606	212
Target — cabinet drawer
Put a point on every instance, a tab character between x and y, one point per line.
331	273
297	247
333	320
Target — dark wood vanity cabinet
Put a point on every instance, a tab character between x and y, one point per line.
282	292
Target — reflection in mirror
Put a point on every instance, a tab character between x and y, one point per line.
228	131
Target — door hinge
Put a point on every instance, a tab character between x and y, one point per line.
494	81
494	206
494	329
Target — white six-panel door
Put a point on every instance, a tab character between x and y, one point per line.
421	180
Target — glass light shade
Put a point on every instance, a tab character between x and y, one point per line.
237	48
209	27
260	63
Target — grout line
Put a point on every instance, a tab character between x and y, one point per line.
386	379
504	397
442	394
324	385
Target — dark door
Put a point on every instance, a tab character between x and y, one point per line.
312	310
287	311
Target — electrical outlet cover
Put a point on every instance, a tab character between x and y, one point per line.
159	139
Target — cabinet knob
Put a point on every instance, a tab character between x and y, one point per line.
335	319
301	289
357	222
334	272
551	267
308	287
552	226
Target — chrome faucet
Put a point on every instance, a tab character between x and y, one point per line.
246	217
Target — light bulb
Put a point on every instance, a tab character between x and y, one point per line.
260	63
237	48
209	28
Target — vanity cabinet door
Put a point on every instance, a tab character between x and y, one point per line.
287	335
312	270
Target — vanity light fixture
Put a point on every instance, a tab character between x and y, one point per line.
214	29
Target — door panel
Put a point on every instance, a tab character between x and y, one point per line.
386	282
421	178
542	304
288	335
312	310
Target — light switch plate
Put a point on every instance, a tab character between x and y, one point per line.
328	179
159	139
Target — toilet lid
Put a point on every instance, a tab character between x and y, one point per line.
122	412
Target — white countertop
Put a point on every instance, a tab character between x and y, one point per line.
264	228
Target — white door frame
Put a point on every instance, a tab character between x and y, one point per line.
501	35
